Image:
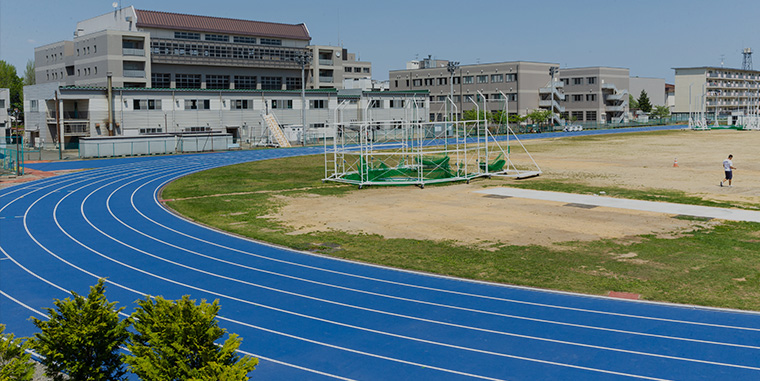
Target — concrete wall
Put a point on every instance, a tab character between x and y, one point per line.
5	120
655	88
687	79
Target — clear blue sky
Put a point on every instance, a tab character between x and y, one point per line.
648	37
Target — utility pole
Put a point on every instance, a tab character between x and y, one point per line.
303	60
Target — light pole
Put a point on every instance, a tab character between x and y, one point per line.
303	60
16	138
552	71
452	66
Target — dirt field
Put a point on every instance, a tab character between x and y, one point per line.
456	213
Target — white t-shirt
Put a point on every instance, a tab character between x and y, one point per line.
727	164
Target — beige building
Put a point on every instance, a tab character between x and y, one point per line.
721	91
596	94
332	65
525	85
140	48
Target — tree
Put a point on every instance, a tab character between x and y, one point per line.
15	363
643	101
30	77
82	337
661	112
632	102
176	340
9	79
475	115
515	118
539	116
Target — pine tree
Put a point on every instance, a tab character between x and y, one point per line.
644	104
82	337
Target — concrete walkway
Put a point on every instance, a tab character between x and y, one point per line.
648	206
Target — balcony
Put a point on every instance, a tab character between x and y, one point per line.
326	79
134	73
325	62
133	52
76	129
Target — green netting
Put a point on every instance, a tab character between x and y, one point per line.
495	166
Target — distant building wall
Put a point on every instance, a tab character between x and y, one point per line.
655	88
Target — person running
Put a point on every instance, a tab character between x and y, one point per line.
728	167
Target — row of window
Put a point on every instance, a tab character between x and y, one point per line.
214	81
467	79
578	115
512	97
226	38
349	69
579	80
86	50
235	104
219	51
580	97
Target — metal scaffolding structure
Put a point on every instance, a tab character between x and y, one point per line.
413	152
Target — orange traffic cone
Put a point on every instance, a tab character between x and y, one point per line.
675	162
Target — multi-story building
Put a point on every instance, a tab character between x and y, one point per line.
140	48
654	87
526	86
331	65
720	91
5	120
595	94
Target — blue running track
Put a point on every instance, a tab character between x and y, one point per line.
309	317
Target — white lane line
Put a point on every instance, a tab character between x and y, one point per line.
619	203
334	322
132	200
477	296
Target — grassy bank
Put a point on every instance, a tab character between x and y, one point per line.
716	264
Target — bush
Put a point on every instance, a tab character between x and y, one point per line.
15	363
176	340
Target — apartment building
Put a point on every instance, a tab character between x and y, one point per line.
141	48
723	91
595	94
332	65
524	85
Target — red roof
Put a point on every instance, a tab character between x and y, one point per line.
178	21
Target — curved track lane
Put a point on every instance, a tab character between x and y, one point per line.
312	317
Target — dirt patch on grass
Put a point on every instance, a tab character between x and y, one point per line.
456	214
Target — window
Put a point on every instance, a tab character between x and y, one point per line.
245	82
564	115
270	41
578	98
293	83
217	37
578	115
187	36
33	105
577	81
144	131
271	83
188	81
443	81
376	103
2	104
244	40
282	103
468	80
512	97
482	79
197	104
591	81
496	97
146	104
565	81
365	70
429	81
457	80
317	103
497	78
396	103
590	98
217	81
417	82
511	77
161	80
357	70
347	69
591	116
317	125
441	98
241	104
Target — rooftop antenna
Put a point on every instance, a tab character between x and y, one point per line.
747	61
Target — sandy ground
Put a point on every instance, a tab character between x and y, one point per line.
457	214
